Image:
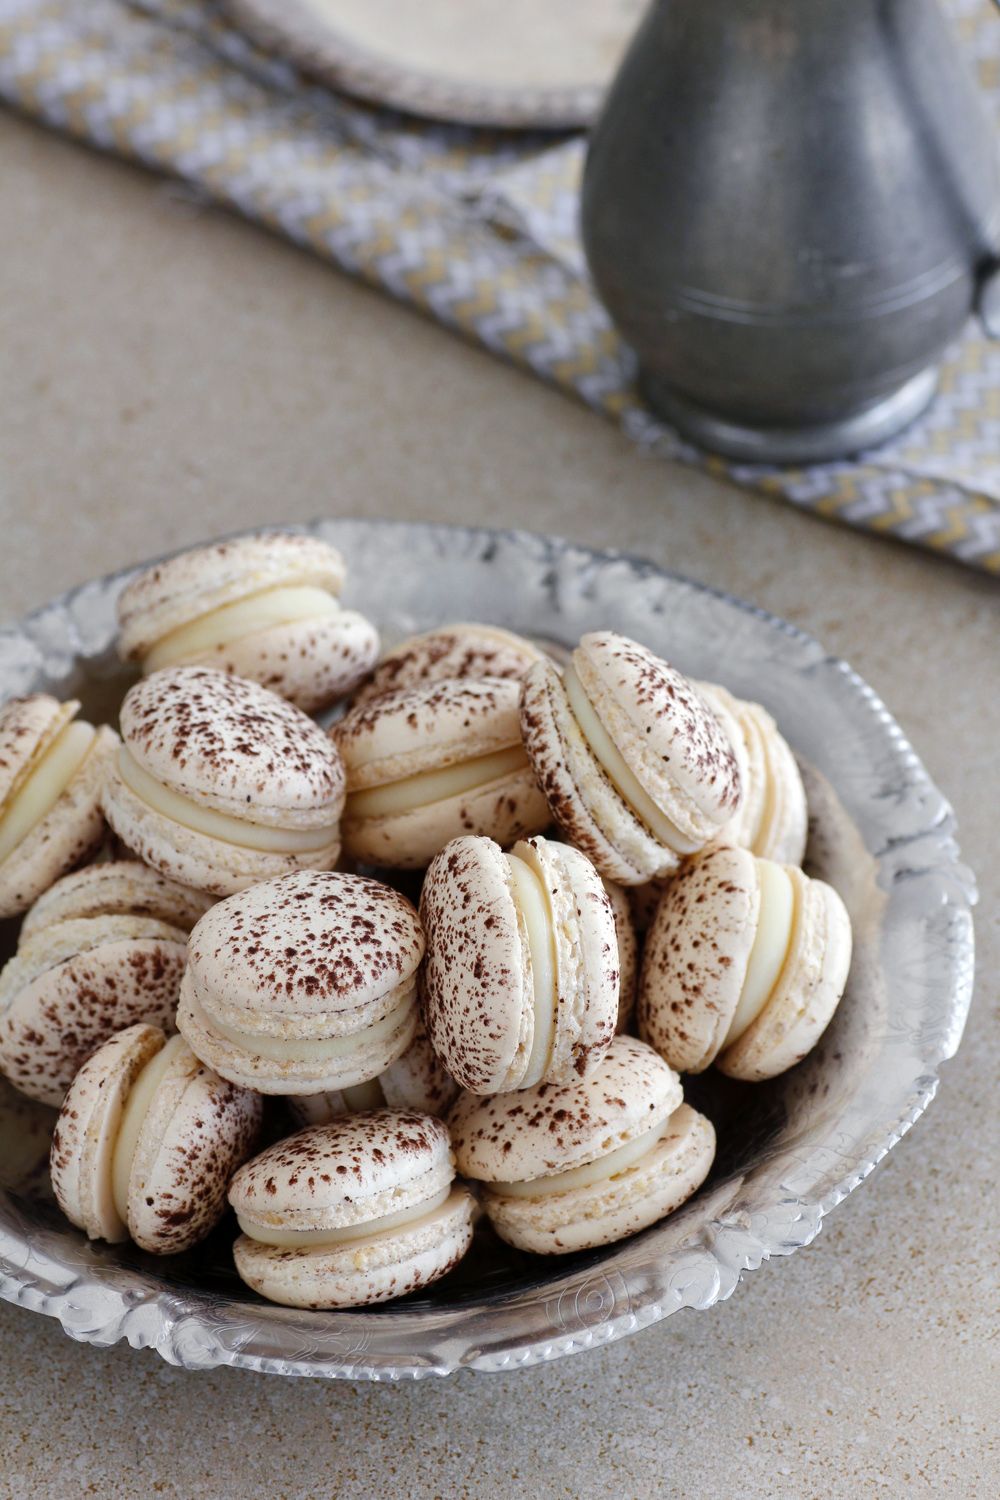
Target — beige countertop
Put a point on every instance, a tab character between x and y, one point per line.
167	372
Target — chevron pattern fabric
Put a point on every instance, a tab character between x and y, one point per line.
476	228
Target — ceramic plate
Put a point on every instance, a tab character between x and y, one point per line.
511	63
790	1149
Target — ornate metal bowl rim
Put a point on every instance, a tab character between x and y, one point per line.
697	1261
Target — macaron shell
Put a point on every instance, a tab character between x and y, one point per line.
696	957
628	952
364	1272
505	810
582	799
436	725
418	1080
233	746
552	1127
476	984
87	1127
198	1130
773	818
310	663
74	985
27	727
785	828
268	1075
602	1214
587	965
195	859
336	1176
808	991
460	650
183	588
120	887
66	836
664	730
313	954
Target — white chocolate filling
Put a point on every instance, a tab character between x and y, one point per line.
232	622
320	1049
216	825
428	787
136	1109
45	784
531	900
627	783
364	1096
318	1238
590	1174
775	921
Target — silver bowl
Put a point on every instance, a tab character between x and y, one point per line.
790	1150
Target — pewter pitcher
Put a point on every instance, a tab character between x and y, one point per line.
789	210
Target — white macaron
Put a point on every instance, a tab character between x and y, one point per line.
520	983
52	769
418	1080
744	966
460	650
573	1166
220	783
773	820
427	764
103	949
147	1141
359	1211
303	984
628	952
263	607
637	769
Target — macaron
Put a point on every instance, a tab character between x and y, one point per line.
52	768
303	984
104	949
427	764
461	650
147	1141
773	820
359	1211
520	983
574	1166
744	966
637	769
628	952
417	1081
261	607
220	783
115	888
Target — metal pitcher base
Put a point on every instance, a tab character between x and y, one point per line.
795	445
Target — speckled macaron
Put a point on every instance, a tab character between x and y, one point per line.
359	1211
573	1166
303	984
263	607
428	764
417	1081
744	966
147	1141
460	650
628	952
773	820
520	983
219	783
637	769
103	949
52	769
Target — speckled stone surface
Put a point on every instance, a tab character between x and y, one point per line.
168	371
